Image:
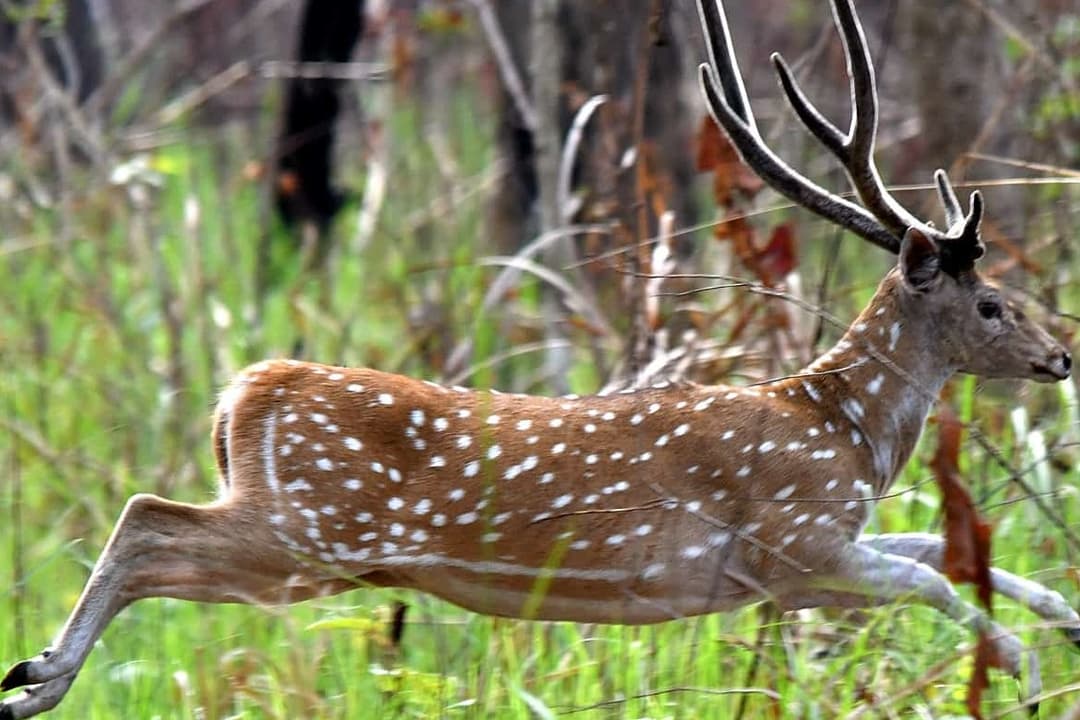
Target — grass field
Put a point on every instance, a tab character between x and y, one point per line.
126	307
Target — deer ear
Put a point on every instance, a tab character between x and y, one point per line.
920	260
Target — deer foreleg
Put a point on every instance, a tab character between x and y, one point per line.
877	577
930	549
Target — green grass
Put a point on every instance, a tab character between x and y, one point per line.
118	324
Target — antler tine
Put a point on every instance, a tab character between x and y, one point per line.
855	150
954	214
725	94
722	58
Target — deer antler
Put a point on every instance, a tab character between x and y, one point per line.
881	219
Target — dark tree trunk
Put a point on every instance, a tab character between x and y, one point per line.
304	192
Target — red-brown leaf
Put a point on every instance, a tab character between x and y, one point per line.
967	535
777	258
718	155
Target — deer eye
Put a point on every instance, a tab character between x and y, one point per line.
989	309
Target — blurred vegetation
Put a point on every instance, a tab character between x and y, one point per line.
133	286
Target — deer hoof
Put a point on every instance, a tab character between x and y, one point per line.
16	677
1073	634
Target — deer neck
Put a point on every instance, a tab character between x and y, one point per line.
880	379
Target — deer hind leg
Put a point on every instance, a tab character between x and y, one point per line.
160	548
868	576
930	549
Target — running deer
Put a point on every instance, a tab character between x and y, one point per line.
632	507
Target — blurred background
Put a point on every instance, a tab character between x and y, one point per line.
521	194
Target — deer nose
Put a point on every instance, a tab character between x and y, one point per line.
1066	361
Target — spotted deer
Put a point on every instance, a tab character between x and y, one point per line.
632	507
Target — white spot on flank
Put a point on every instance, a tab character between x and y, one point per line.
766	446
285	450
319	418
397	529
378	467
693	552
352	443
438	520
558	448
813	432
493	419
463	441
608	416
353	484
653	572
325	464
530	462
719	495
440	424
456	494
693	506
354	387
589	428
653	407
546	478
643	530
493	452
681	430
827	454
637	419
728	434
438	461
555	422
894	336
743	471
416	417
662	440
419	536
831	485
853	408
785	492
562	501
386	399
395	503
811	391
364	517
856	438
423	507
297	485
579	545
591	459
802	519
471	468
290	418
874	386
704	404
615	540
